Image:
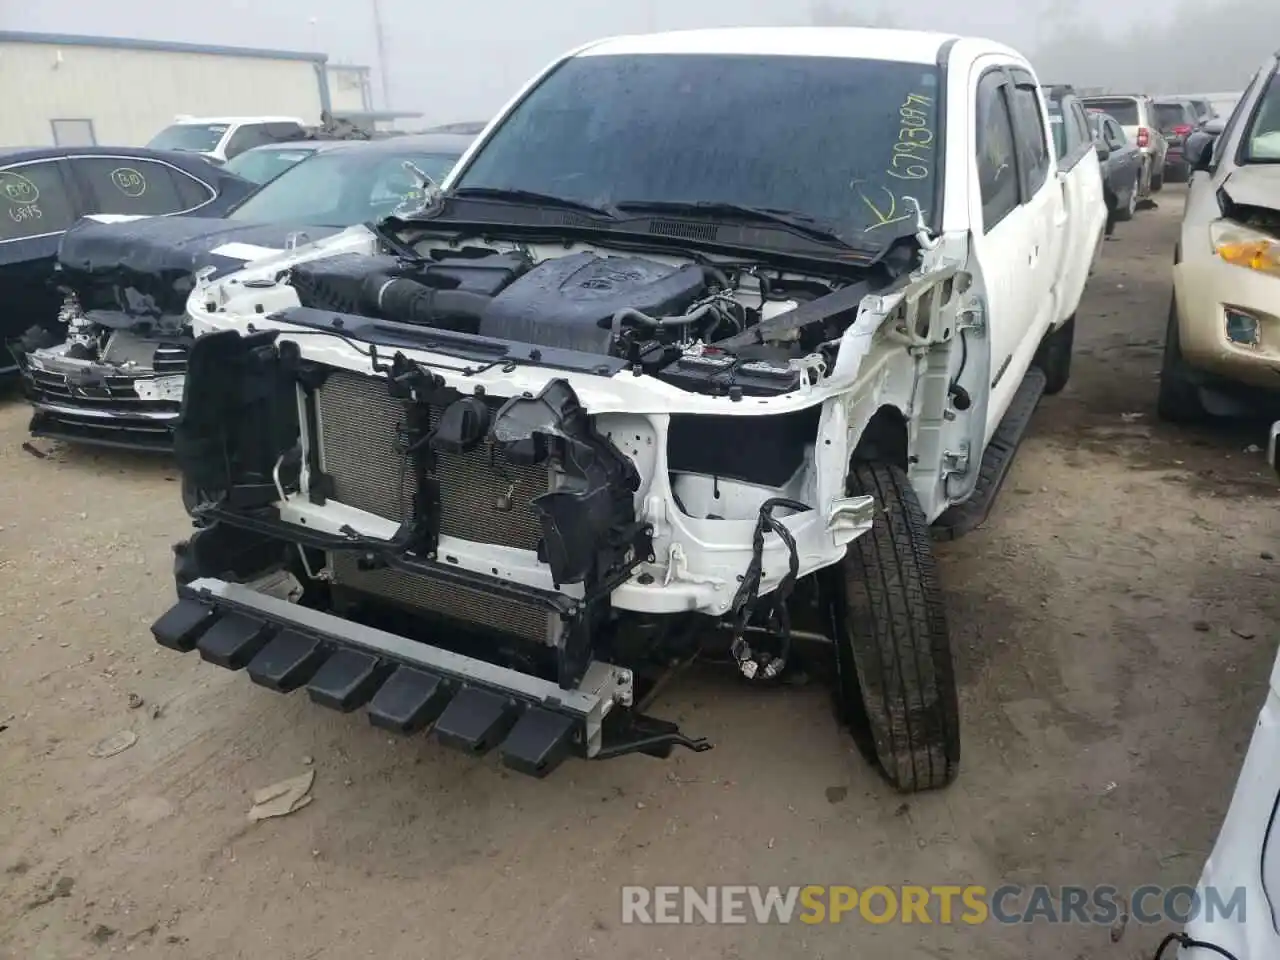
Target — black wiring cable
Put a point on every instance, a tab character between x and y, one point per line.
1190	943
1262	864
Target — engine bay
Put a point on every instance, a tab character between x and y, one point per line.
724	329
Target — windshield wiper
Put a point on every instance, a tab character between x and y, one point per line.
530	198
799	222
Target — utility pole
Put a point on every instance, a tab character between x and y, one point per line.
380	39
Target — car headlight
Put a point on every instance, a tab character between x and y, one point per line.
1245	246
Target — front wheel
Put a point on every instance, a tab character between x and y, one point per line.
893	651
1157	180
1178	400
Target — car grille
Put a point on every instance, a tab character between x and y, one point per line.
115	391
359	423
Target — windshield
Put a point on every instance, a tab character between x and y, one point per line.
1262	139
265	163
343	186
840	140
1124	109
193	137
1170	115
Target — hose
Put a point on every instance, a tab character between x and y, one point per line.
407	301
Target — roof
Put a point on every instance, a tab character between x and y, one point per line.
178	158
907	46
230	121
157	46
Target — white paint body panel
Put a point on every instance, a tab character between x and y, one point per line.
1238	859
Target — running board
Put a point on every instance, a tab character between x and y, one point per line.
962	518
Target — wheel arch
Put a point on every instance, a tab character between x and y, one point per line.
884	439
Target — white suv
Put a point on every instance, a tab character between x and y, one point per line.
221	138
1137	117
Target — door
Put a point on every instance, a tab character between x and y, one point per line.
1043	255
1001	231
1080	180
37	205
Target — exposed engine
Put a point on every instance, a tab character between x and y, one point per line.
668	320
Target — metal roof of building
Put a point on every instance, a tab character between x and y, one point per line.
158	46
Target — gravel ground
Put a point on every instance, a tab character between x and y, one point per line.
1111	621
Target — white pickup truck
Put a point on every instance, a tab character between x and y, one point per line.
696	344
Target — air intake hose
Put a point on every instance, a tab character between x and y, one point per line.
407	301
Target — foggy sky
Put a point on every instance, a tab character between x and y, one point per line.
461	61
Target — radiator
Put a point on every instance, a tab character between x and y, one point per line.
358	425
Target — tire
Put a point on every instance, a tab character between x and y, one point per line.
1179	399
1130	207
893	652
1053	356
1157	181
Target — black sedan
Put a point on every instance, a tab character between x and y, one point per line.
1121	167
44	190
115	374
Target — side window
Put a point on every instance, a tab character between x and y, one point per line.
1058	128
34	201
997	166
1082	122
129	185
192	193
1028	125
283	132
1242	105
246	136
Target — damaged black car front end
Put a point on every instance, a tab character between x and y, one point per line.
115	376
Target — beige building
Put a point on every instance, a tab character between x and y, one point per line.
73	91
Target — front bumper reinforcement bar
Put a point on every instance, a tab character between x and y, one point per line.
406	685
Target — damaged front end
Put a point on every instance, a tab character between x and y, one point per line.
467	487
113	381
113	373
394	622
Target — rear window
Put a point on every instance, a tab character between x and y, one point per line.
1170	115
1124	109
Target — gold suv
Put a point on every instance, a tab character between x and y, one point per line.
1222	348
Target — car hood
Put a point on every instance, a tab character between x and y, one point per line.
1255	185
126	271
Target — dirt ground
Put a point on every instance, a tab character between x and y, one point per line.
1114	626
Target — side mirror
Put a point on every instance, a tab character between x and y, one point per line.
1104	151
1199	149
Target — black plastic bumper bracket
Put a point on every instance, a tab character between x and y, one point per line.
540	742
475	720
410	700
287	662
234	640
179	628
347	680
